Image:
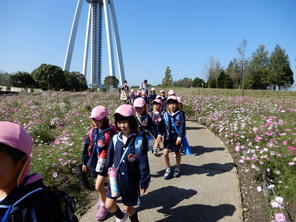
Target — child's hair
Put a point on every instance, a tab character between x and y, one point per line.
105	124
15	154
133	124
153	107
172	101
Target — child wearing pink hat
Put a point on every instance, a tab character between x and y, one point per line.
175	131
157	119
145	121
95	153
163	100
127	165
151	97
23	197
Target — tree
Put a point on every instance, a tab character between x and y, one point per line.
49	77
167	80
224	81
257	72
281	74
75	81
213	71
198	82
233	71
111	81
242	63
22	79
4	79
185	82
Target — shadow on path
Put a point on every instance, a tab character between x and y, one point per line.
199	150
210	169
197	213
165	197
194	128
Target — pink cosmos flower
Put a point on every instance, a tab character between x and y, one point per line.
55	175
269	122
268	133
285	143
237	148
291	163
280	217
255	130
258	138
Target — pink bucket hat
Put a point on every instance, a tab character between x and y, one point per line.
172	98
139	102
126	110
13	135
152	89
171	93
157	101
99	113
161	91
179	99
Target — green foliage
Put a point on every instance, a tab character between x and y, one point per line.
43	135
49	77
185	82
281	74
168	79
22	79
212	83
198	82
224	81
75	81
257	73
4	79
111	81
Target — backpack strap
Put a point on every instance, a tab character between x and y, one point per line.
138	144
91	141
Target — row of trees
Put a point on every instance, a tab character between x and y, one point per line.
49	77
185	82
261	71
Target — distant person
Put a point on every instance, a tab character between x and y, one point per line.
151	98
95	153
127	165
144	87
171	93
124	89
131	97
23	197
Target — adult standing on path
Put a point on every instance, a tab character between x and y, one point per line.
144	87
124	90
207	191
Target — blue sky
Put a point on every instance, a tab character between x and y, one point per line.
154	34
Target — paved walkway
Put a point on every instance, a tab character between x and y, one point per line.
207	191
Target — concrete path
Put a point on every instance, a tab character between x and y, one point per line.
207	191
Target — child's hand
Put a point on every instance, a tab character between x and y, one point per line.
143	190
178	142
84	168
158	139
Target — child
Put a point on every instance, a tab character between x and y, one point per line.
157	119
131	97
145	121
95	152
171	93
174	120
151	98
163	100
127	153
23	197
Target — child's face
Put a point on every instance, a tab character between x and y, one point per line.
99	123
173	106
156	106
124	127
162	94
140	110
8	172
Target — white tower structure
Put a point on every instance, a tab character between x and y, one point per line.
98	9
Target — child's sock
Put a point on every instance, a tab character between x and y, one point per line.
118	213
134	217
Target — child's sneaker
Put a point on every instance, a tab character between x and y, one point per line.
123	219
167	173
101	214
155	150
177	172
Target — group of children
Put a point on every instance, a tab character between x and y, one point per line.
118	152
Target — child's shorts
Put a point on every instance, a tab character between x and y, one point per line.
131	198
93	172
171	146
